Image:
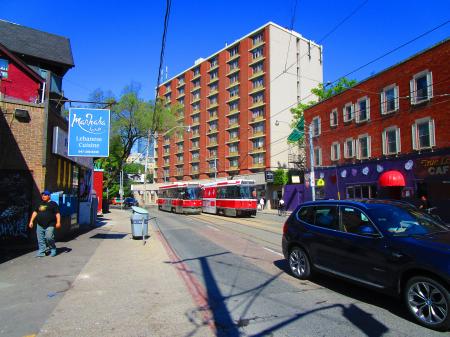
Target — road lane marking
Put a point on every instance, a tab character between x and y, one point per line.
212	227
273	251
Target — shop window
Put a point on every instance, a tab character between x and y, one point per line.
361	192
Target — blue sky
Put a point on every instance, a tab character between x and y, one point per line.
115	43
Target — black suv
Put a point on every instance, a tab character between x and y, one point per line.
385	245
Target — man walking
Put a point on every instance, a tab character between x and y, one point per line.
48	218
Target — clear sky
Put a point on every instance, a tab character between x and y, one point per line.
117	42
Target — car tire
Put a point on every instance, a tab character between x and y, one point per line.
428	302
299	263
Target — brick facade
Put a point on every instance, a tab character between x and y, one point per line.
437	108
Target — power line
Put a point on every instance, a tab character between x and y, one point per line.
291	28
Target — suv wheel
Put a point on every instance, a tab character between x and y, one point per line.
299	263
428	302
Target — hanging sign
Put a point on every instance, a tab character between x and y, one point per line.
89	132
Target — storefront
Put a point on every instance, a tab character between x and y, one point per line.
405	178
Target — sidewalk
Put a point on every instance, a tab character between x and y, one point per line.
126	289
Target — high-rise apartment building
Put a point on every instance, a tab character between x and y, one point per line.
232	101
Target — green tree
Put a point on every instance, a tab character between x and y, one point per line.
280	177
132	118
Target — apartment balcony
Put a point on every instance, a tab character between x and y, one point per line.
257	119
196	123
196	88
232	112
257	134
166	165
196	76
168	91
257	89
195	135
233	126
232	154
179	162
257	150
213	118
233	140
212	170
195	112
212	106
213	67
232	85
180	117
257	165
258	44
256	60
212	93
257	74
196	171
166	142
213	80
181	95
212	131
166	154
195	160
180	151
232	168
180	84
195	148
180	173
212	144
257	105
195	100
234	98
209	158
234	57
233	71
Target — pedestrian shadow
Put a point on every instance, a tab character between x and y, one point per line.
110	236
353	290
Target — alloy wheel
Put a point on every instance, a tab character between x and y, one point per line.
427	302
298	263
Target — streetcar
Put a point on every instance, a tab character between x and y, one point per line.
183	198
231	198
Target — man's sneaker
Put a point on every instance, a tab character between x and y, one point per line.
40	254
53	252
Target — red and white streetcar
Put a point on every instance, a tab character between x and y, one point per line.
180	198
231	197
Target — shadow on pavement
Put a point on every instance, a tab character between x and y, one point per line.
355	291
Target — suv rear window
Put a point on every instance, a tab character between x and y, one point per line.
306	214
326	217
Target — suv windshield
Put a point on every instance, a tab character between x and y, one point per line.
402	221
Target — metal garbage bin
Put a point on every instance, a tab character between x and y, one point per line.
139	222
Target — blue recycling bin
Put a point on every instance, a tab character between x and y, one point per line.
139	222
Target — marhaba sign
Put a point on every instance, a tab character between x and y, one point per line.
434	166
89	132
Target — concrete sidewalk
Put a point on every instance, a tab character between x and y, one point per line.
126	289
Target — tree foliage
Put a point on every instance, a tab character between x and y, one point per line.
132	118
280	177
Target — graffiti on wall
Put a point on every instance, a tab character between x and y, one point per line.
15	203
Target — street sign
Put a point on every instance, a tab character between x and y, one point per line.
269	176
88	132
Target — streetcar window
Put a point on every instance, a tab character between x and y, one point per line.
192	193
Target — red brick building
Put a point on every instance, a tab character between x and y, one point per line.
397	120
232	101
32	126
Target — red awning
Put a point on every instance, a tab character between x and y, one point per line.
392	178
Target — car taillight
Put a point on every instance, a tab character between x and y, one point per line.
285	227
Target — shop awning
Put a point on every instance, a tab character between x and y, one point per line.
391	179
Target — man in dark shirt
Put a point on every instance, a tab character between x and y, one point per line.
48	217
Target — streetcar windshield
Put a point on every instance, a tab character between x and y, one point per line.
247	192
192	193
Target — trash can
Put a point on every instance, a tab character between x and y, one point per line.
139	222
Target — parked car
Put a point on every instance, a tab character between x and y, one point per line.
128	202
385	245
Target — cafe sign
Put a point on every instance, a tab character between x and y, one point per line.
438	166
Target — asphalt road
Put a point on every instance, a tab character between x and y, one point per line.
238	263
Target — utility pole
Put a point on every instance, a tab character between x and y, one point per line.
146	166
215	168
311	159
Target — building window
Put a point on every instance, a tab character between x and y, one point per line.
232	120
234	78
421	87
317	156
349	148
233	148
364	144
213	126
214	74
258	128
362	110
195	144
212	140
423	134
195	155
316	127
335	151
233	162
234	51
258	143
348	112
258	98
213	114
180	80
196	95
196	107
258	38
213	153
213	62
258	159
196	83
257	53
234	106
168	87
391	140
234	65
3	68
257	68
181	91
258	83
258	113
213	88
196	71
213	100
334	118
234	92
234	134
389	99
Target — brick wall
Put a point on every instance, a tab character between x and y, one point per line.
438	108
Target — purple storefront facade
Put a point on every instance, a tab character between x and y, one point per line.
424	174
